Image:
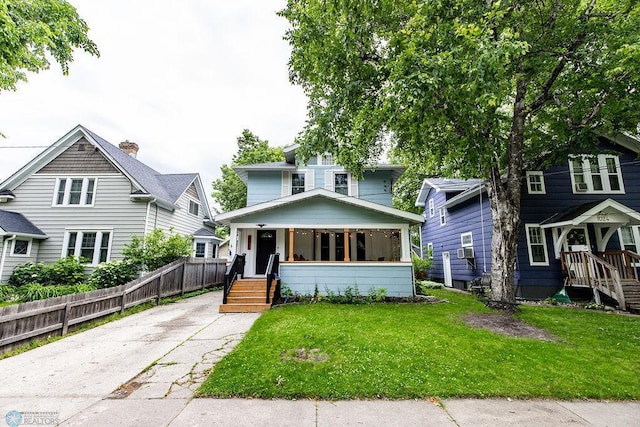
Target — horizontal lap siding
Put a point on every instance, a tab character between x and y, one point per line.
112	211
11	261
323	211
264	186
396	279
376	187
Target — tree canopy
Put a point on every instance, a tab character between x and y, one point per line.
34	31
229	192
466	88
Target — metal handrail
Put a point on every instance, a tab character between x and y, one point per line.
272	273
233	270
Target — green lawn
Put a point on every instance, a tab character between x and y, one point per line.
401	351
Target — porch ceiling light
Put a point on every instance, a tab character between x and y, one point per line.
260	225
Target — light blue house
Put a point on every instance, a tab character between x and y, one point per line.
332	231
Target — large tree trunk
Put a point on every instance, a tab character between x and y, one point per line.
504	195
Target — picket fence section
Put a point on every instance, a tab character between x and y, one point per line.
34	320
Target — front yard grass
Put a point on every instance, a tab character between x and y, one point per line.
406	351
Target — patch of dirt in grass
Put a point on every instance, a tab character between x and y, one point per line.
304	355
506	324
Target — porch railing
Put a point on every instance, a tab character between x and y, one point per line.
272	273
587	269
233	270
626	262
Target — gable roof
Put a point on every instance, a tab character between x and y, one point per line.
588	212
228	217
16	223
447	185
165	188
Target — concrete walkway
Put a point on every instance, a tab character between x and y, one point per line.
142	371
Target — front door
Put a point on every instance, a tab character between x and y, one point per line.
266	246
446	265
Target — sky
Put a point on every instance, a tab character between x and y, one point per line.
182	79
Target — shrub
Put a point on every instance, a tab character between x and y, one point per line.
7	293
36	291
65	271
113	273
421	265
29	272
157	249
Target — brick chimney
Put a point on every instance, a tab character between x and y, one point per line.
131	148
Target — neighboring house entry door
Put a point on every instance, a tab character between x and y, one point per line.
265	247
446	266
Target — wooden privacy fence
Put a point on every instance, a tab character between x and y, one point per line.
54	316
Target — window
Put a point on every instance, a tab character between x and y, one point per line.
466	239
537	245
429	253
326	159
193	208
21	247
432	208
75	191
443	219
93	245
341	183
201	249
596	174
535	182
628	238
297	183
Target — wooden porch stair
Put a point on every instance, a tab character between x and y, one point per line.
631	291
248	296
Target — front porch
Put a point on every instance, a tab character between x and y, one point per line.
611	273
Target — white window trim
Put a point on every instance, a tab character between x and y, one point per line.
443	216
602	165
429	250
432	208
195	247
96	247
189	208
67	192
13	248
529	188
544	245
636	235
462	237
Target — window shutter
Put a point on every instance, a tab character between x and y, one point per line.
309	181
286	183
328	180
353	183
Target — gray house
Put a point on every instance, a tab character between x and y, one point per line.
83	196
332	230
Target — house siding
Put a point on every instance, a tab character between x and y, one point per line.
263	186
325	212
397	279
112	211
376	187
81	157
12	261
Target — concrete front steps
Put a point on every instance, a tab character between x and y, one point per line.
248	296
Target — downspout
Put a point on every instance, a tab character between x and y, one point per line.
146	218
4	254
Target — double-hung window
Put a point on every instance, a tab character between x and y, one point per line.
74	192
596	174
92	245
535	182
629	238
536	245
297	183
432	208
194	207
341	183
443	217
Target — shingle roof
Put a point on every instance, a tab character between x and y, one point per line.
168	187
16	223
570	213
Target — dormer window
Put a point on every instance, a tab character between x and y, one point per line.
75	192
325	159
596	174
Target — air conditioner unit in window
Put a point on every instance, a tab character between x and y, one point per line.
465	253
581	187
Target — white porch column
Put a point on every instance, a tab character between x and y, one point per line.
405	244
233	241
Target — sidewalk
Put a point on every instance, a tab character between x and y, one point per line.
142	371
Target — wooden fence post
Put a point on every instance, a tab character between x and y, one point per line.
160	283
124	296
204	267
184	276
65	321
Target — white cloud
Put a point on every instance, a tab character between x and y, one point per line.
182	79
